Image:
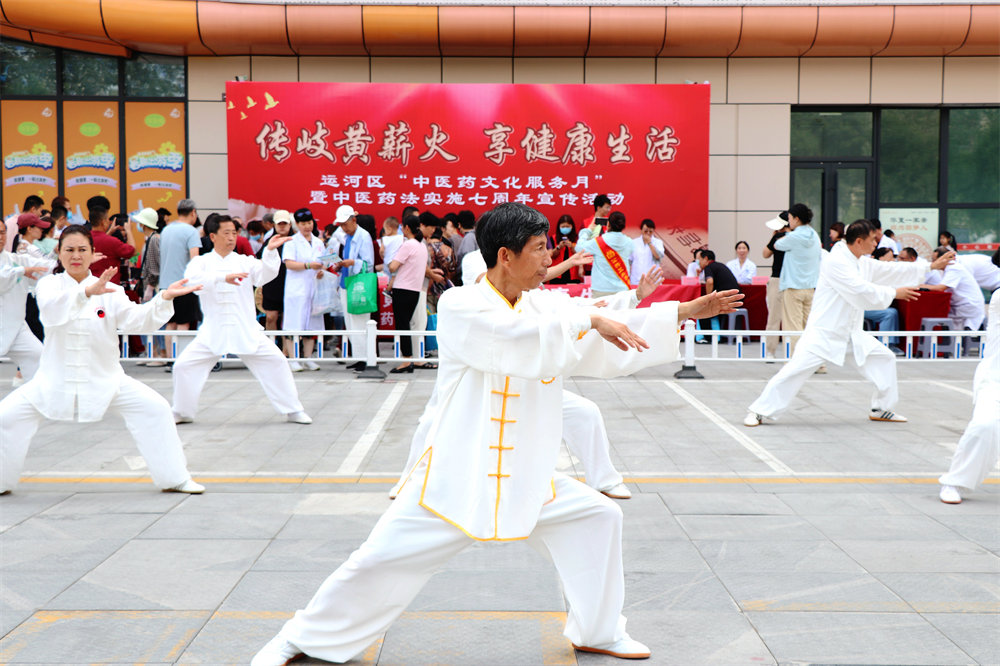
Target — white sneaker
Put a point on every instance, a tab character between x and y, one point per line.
879	415
752	420
311	366
295	366
626	648
299	417
278	652
821	370
17	381
188	486
182	419
950	495
769	358
395	491
617	492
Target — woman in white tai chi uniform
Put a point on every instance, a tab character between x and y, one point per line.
17	273
489	470
849	283
80	371
303	264
230	327
979	447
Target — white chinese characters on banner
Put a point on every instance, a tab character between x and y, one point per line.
913	227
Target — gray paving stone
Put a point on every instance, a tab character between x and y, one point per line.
984	530
653	555
20	506
486	591
849	638
100	503
47	555
511	556
216	526
978	503
305	555
977	635
733	504
844	504
946	592
749	528
794	591
878	528
328	527
273	591
665	591
776	556
920	556
74	526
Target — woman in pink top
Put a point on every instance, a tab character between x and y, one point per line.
407	268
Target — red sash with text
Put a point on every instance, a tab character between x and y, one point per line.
614	260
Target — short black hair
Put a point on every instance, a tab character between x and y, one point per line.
708	254
413	224
98	202
616	221
858	229
940	251
429	219
738	243
410	210
509	225
909	251
97	214
877	223
76	230
801	211
648	223
601	200
35	201
257	227
889	233
58	212
881	252
450	217
467	219
213	224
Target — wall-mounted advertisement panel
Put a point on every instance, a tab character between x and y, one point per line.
156	162
29	141
92	155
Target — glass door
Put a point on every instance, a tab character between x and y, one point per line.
835	191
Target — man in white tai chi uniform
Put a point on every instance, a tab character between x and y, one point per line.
230	325
979	447
17	273
849	284
489	470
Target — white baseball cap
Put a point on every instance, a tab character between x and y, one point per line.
778	223
282	216
344	213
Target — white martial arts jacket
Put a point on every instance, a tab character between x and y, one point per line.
79	365
988	370
230	323
847	287
14	293
494	443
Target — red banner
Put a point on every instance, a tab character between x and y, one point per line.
446	147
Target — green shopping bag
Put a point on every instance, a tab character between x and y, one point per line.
362	292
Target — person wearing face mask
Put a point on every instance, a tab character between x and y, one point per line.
80	377
647	251
562	246
255	234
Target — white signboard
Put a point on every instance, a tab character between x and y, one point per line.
913	227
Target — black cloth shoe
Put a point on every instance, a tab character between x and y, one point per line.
357	367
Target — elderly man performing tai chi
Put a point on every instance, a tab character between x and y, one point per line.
849	283
230	327
488	473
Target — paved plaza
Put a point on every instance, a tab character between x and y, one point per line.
815	540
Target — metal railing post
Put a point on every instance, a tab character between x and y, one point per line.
688	370
371	370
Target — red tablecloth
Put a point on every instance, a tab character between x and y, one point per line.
665	292
930	304
755	304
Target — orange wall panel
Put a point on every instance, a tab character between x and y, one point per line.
984	33
70	18
167	27
326	30
233	29
401	31
702	32
627	32
928	30
776	32
477	31
87	46
851	31
10	32
551	31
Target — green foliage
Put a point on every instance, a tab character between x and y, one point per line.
27	69
831	134
910	144
154	76
974	156
90	75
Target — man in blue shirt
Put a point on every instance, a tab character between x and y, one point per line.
179	244
799	270
605	279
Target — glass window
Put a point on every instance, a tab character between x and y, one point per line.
89	75
975	225
974	156
154	76
809	191
909	155
26	69
832	134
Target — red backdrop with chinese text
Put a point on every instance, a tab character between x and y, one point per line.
448	147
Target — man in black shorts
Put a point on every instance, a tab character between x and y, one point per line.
718	277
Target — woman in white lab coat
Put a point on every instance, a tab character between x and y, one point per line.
742	268
80	377
301	258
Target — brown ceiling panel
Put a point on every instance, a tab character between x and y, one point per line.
401	31
984	33
70	18
328	30
8	31
776	32
928	30
547	32
627	32
235	29
851	31
477	31
154	26
702	32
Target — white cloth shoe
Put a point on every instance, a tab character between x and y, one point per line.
950	495
277	652
299	417
769	358
619	491
626	648
188	486
295	366
311	366
182	419
17	381
880	415
752	420
821	370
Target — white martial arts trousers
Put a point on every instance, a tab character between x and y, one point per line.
879	368
579	531
147	416
353	322
25	351
268	365
587	439
979	448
